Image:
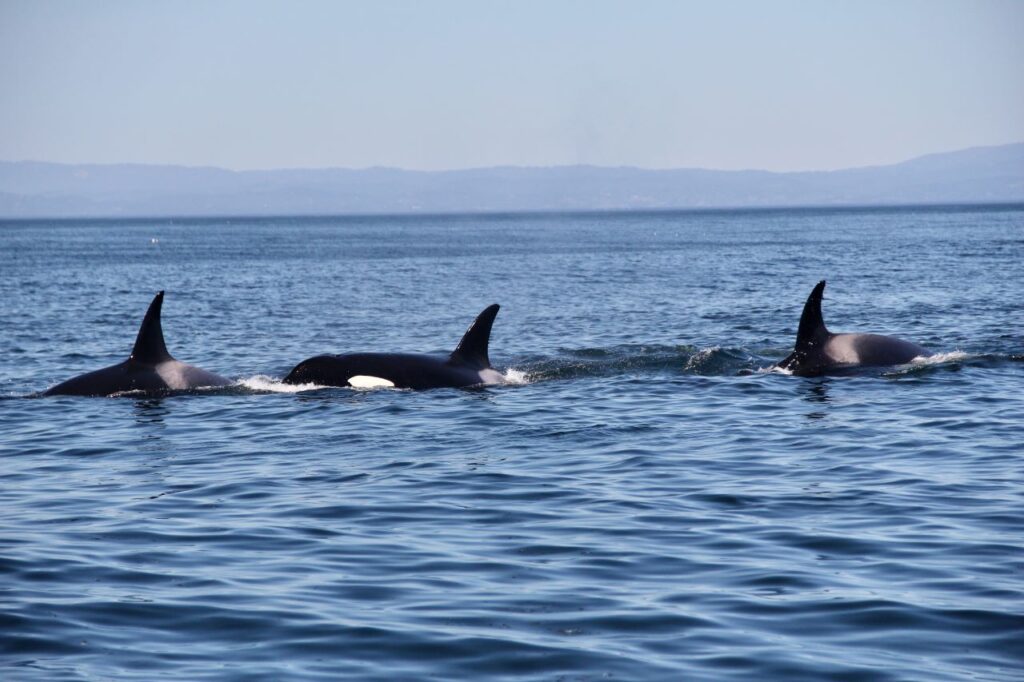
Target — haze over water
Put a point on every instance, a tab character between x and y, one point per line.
643	500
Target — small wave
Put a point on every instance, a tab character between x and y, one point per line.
265	384
640	359
596	362
718	361
701	358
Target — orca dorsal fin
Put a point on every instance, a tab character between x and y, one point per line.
472	349
149	344
812	330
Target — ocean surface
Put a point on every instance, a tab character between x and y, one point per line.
644	499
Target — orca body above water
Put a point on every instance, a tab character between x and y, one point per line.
468	365
149	369
818	351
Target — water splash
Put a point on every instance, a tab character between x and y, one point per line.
941	358
516	377
265	384
952	360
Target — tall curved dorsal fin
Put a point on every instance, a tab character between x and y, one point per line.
472	349
812	328
149	344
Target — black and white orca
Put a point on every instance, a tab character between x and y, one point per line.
818	351
149	369
468	365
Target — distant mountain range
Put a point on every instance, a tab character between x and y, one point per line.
31	189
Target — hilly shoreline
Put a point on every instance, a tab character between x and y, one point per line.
29	189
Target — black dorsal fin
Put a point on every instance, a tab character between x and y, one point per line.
812	329
149	344
472	349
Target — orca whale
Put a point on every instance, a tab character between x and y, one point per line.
468	365
150	368
818	351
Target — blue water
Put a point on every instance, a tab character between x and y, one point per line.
643	501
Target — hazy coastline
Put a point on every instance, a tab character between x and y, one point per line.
981	175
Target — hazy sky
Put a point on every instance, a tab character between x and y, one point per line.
434	85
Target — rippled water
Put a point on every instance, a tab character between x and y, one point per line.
643	501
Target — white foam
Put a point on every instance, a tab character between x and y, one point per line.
262	382
939	358
515	376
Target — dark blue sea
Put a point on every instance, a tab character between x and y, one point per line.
645	499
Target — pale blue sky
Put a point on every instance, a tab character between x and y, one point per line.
435	85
